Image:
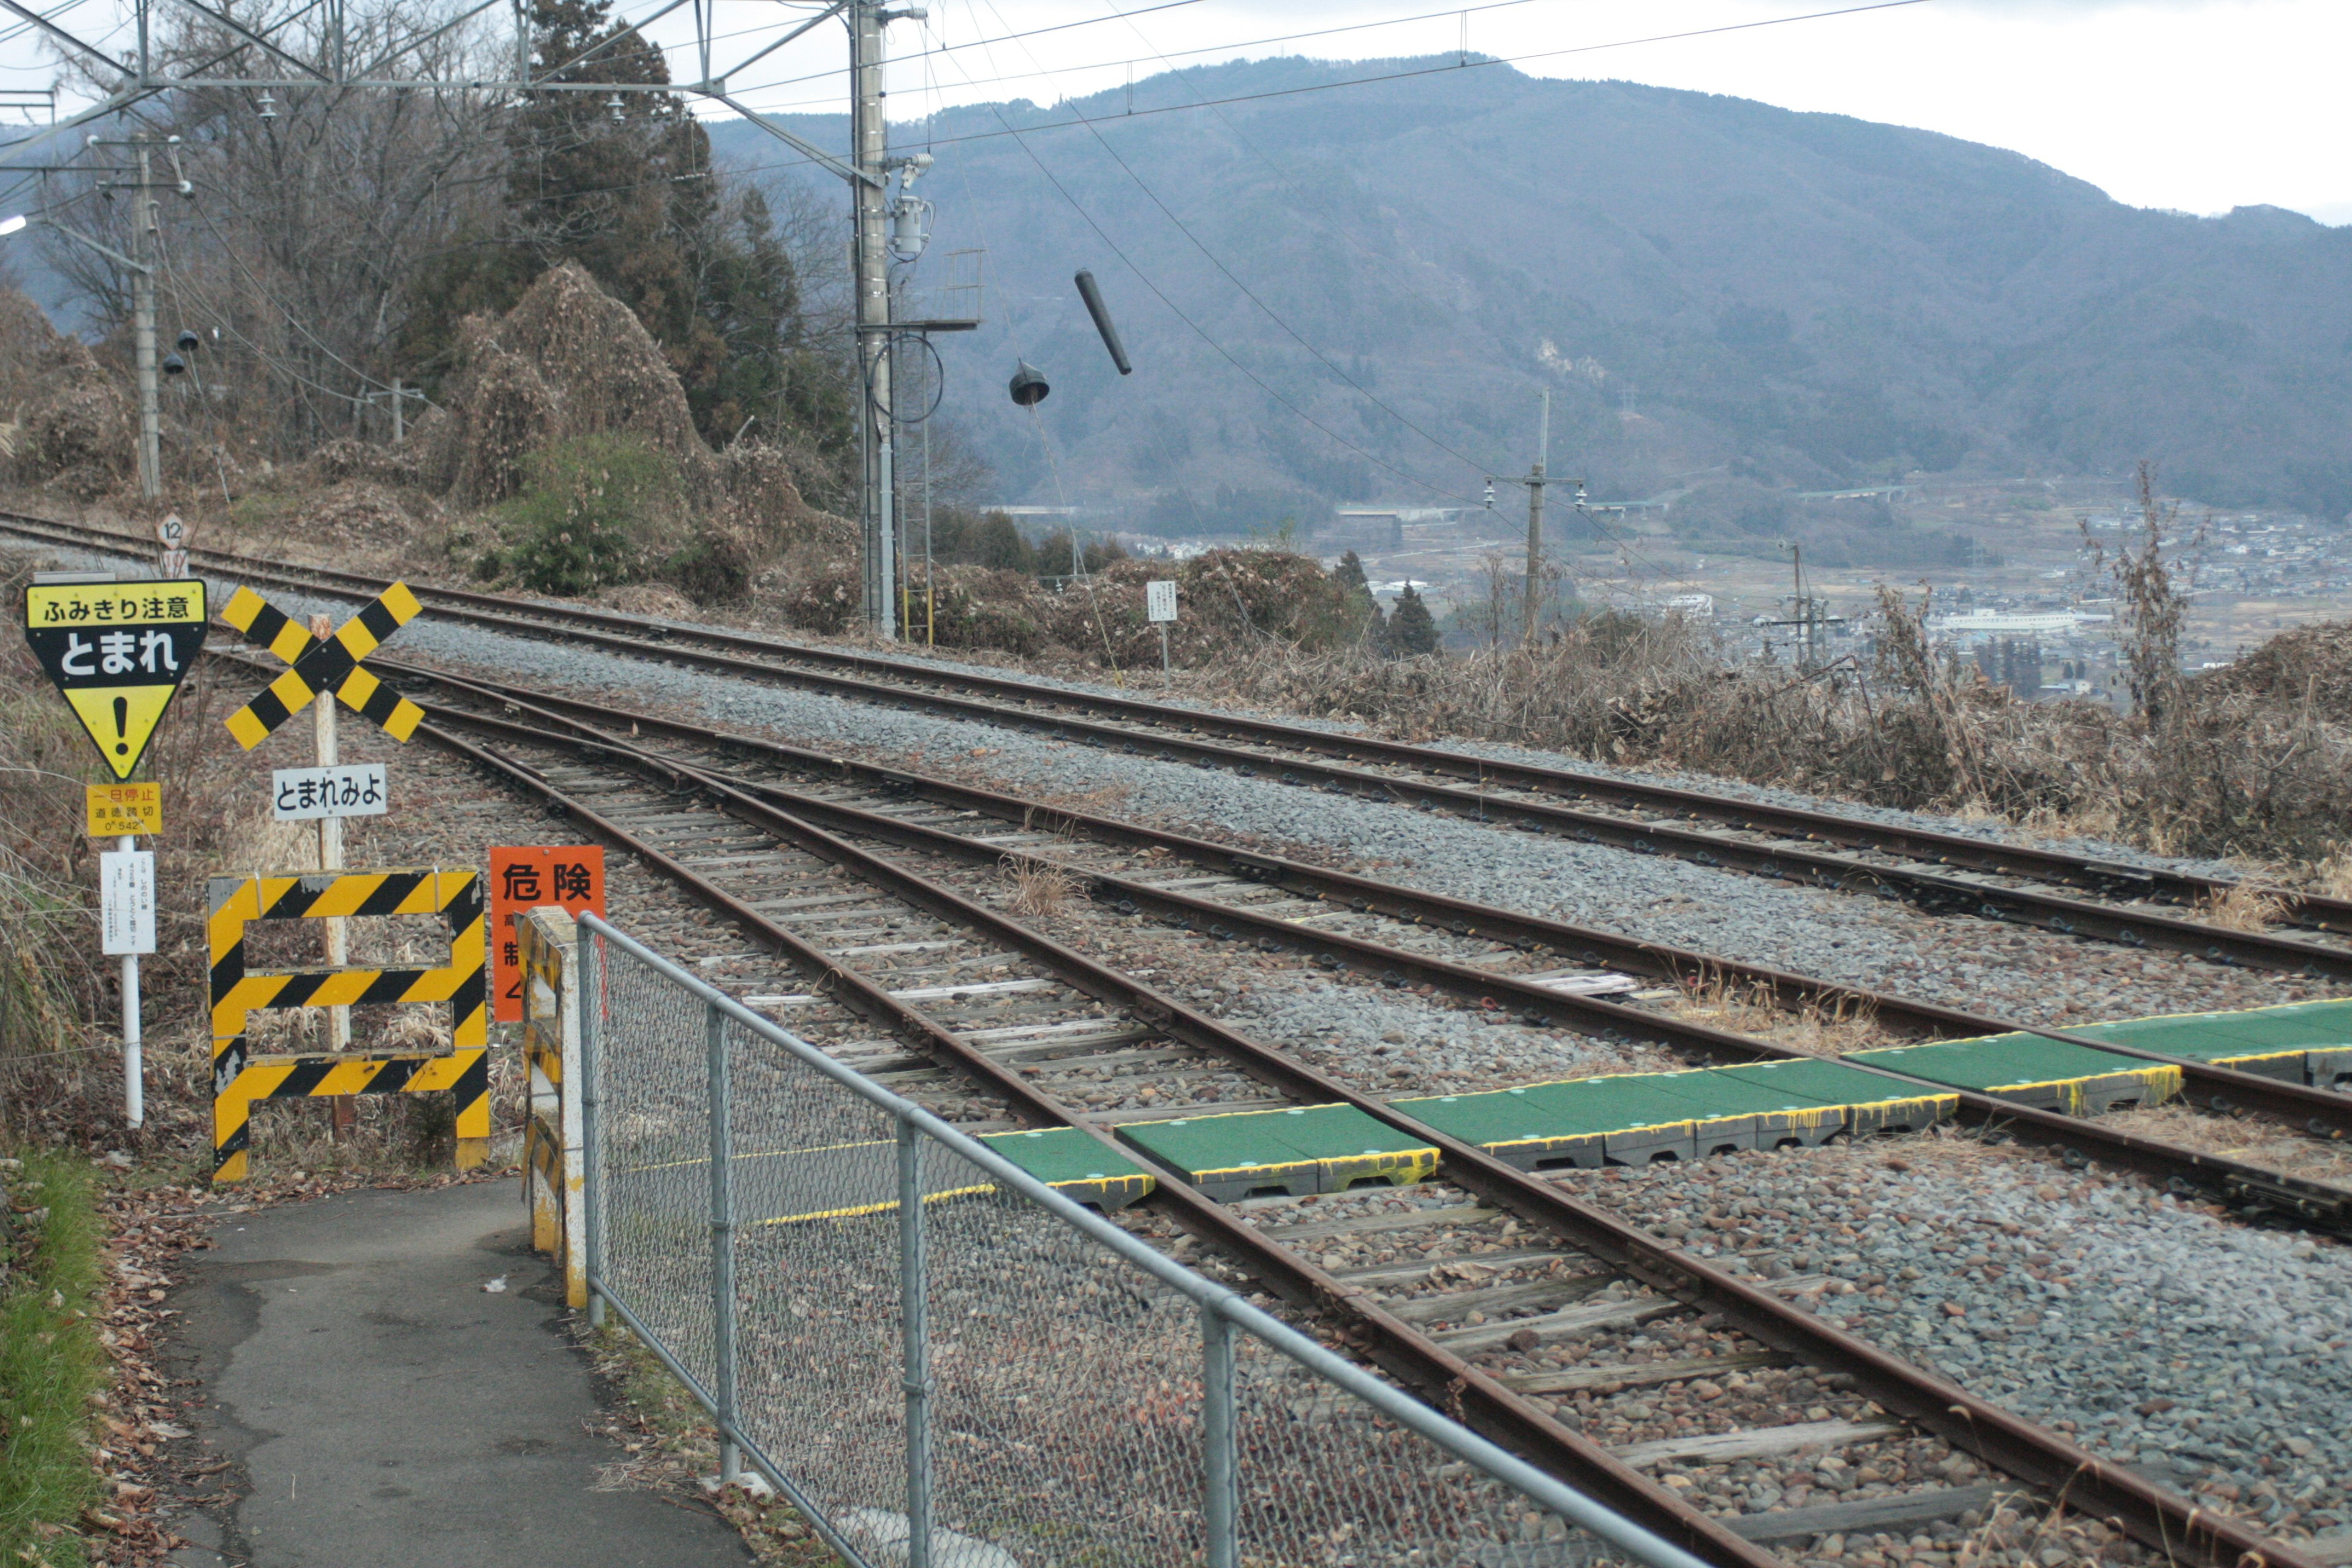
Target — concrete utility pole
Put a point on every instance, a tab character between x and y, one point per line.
869	152
1535	522
143	330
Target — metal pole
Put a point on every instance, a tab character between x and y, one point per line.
914	1323
723	1244
1165	677
142	334
1220	1508
1535	522
588	985
399	430
869	154
134	1078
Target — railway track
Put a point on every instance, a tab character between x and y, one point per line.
1940	873
987	1021
1486	956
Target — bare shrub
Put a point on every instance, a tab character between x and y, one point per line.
2218	772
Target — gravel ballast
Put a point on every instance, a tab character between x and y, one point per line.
2210	1355
2033	977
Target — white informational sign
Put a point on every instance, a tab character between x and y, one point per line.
1160	601
305	794
126	917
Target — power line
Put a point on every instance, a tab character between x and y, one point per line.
1197	329
1141	60
1427	71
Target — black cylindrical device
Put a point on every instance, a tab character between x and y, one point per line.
1101	313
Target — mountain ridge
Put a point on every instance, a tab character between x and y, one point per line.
1703	282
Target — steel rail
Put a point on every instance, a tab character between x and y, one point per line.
2042	1458
2318	1112
1913	842
2006	1442
1444	1379
1934	892
2257	1189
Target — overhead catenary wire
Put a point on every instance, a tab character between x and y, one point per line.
1482	62
1333	31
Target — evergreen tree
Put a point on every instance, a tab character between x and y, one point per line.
1411	628
623	184
1368	624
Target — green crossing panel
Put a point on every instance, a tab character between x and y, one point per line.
1808	1100
1300	1151
2048	1075
2300	1042
1077	1164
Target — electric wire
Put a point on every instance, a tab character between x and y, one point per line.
1144	60
1269	93
1270	312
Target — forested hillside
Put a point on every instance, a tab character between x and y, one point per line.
1815	300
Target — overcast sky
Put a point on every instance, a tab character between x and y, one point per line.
2202	105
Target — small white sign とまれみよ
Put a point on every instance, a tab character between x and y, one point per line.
352	789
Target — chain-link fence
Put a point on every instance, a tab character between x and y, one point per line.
945	1363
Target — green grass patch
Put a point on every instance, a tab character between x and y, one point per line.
50	1360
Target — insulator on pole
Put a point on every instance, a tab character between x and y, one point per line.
1101	313
1029	386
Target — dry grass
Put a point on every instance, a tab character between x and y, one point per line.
2242	908
2219	772
1748	1007
2251	1139
2332	878
1040	888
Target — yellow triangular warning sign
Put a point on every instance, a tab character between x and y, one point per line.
121	719
118	651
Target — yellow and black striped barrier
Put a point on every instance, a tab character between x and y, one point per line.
332	665
554	1173
239	1080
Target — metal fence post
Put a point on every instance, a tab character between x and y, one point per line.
1218	1505
914	1324
588	990
723	1244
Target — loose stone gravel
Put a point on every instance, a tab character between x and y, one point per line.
2037	976
2033	976
2210	1355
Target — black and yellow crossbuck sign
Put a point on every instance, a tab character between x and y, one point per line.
332	665
239	1078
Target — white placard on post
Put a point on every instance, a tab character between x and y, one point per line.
1160	601
305	794
126	882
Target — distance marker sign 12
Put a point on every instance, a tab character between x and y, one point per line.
119	652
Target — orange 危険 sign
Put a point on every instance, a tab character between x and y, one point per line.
526	878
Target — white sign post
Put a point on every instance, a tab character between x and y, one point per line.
1159	608
126	881
173	535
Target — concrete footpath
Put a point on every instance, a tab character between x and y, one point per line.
384	1409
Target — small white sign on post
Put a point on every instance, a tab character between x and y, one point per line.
1160	606
305	794
126	881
